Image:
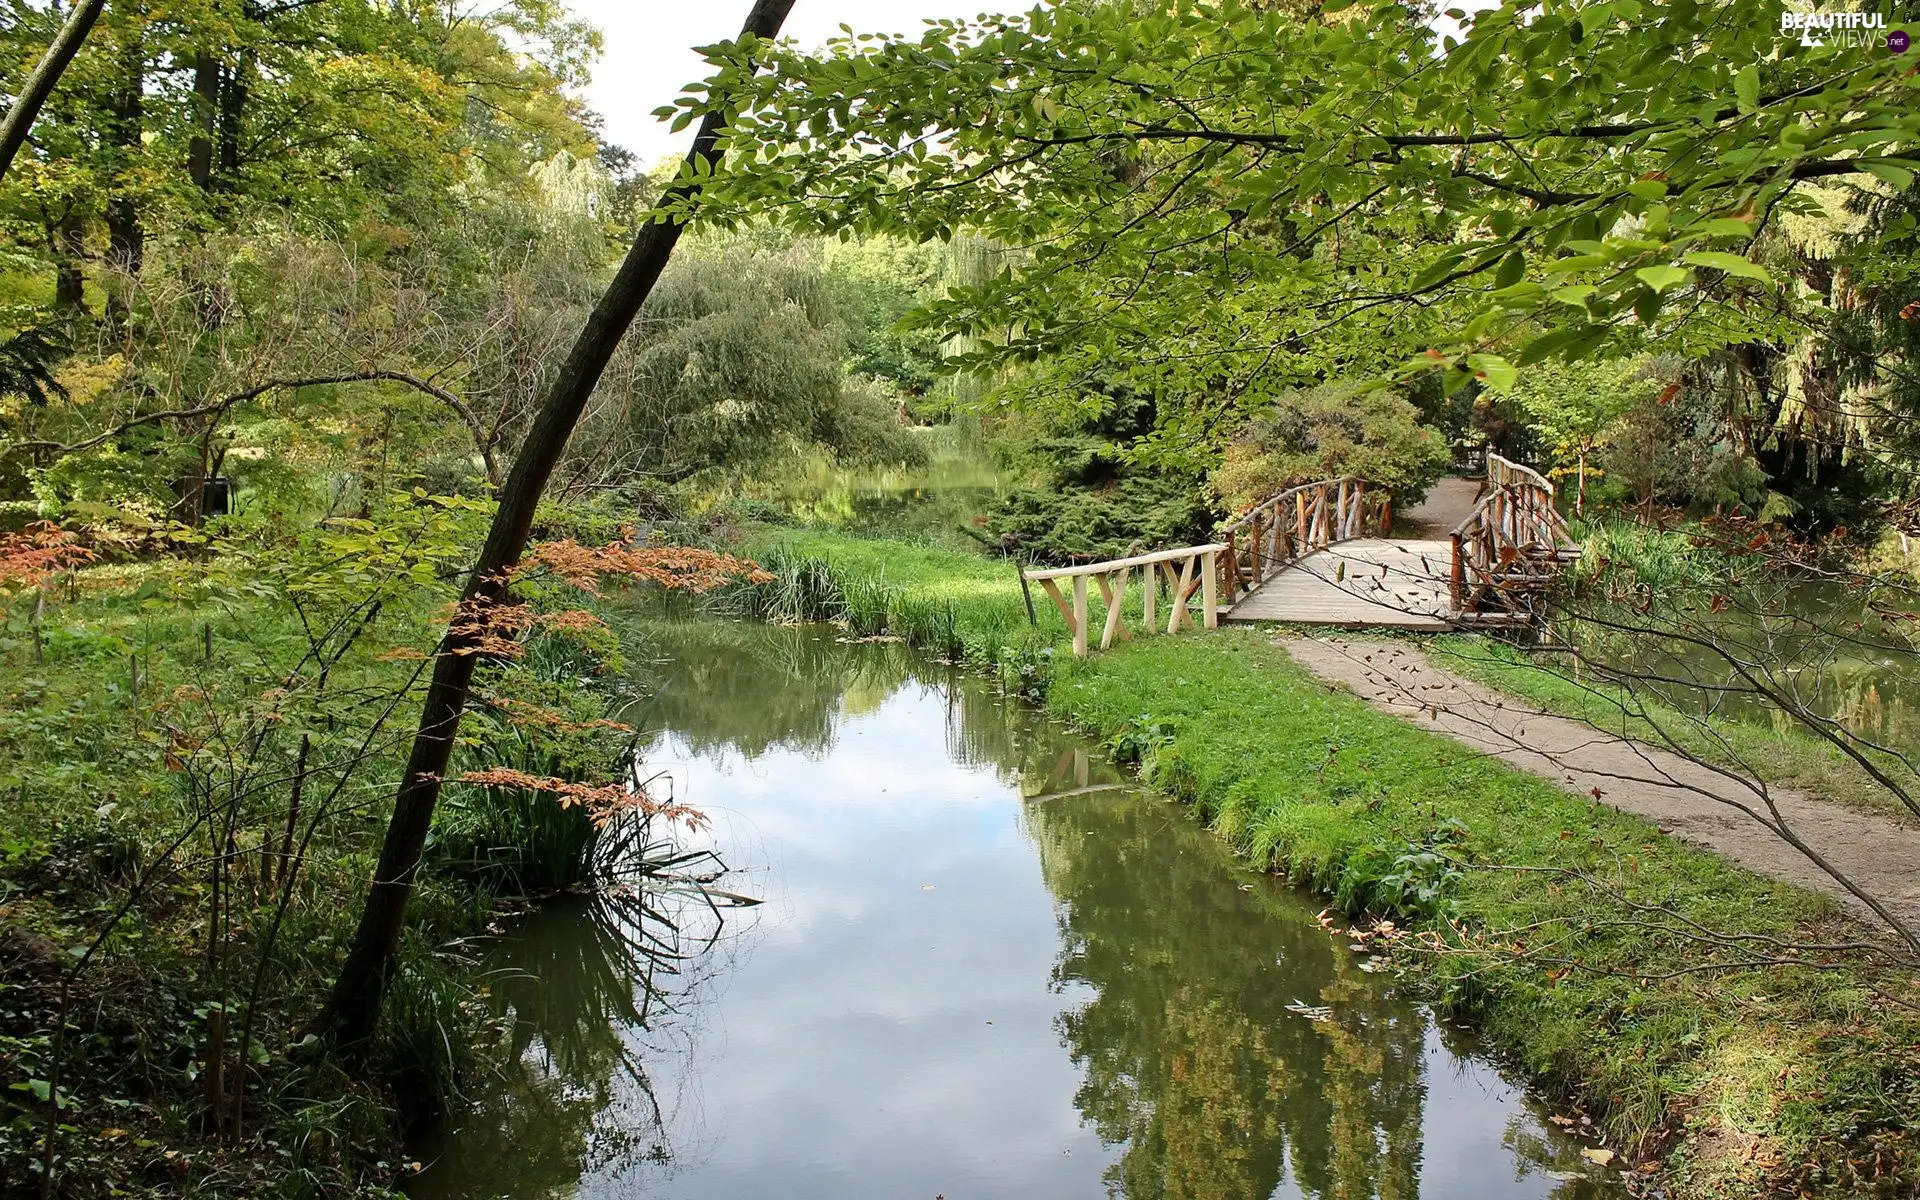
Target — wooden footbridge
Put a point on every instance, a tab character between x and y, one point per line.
1324	553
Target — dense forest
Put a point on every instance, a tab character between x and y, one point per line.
353	384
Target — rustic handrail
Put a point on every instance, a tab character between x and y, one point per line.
1509	547
1198	571
1281	530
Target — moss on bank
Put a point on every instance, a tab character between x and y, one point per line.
1738	1080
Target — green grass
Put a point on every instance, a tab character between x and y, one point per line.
965	607
1740	1080
1786	756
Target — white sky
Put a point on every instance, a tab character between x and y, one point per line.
649	49
649	55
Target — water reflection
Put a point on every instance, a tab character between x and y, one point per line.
986	967
1827	648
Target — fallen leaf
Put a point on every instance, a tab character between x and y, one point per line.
1602	1157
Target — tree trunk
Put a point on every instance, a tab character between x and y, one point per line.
126	240
70	250
354	1007
206	104
19	119
233	103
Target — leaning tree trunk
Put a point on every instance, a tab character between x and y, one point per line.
19	118
354	1007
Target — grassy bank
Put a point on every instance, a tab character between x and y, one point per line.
1736	1080
962	606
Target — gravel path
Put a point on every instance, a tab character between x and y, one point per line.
1688	800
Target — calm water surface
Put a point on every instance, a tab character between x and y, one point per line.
985	967
1813	641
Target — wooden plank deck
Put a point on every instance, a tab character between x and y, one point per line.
1365	583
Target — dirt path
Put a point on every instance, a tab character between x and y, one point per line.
1690	801
1447	503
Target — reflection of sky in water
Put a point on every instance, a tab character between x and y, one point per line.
950	991
883	1039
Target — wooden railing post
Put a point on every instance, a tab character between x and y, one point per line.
1116	598
1079	616
1209	597
1458	580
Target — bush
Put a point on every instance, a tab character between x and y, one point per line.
1332	430
1135	513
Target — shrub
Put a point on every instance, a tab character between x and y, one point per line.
1331	430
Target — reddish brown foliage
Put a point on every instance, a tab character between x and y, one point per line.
42	549
495	628
603	801
683	567
519	712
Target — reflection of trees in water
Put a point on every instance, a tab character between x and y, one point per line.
587	991
1192	1056
753	688
1227	1042
1795	631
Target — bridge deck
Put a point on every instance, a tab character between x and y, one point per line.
1368	582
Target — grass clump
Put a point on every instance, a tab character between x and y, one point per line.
1741	1079
963	607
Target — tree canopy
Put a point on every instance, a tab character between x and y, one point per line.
1234	198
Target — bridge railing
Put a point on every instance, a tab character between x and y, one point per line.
1283	529
1187	570
1511	545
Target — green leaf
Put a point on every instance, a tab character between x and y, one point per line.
1513	268
1646	305
1547	345
1900	177
1498	373
1746	87
1663	277
1438	269
1732	264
